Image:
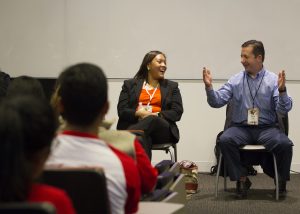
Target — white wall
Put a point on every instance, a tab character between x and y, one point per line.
200	123
40	37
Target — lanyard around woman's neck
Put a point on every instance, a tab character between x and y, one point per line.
153	93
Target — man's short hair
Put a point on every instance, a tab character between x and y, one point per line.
83	91
258	48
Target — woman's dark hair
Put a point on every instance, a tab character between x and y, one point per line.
25	85
143	71
83	92
27	128
258	48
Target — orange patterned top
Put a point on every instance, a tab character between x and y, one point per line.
155	101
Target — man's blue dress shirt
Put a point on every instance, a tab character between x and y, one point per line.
237	91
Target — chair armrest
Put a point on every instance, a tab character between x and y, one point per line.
164	180
156	195
163	166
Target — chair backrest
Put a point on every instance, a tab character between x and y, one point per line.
85	186
26	208
282	119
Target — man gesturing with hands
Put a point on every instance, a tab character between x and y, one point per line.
256	95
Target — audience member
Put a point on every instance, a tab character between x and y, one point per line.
81	99
125	142
26	130
26	85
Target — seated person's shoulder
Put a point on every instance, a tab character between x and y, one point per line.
44	192
121	140
170	83
53	195
130	81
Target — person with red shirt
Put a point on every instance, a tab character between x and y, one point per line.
27	128
81	99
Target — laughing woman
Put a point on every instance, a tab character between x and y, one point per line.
151	103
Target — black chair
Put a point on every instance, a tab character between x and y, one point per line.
164	147
85	186
26	208
283	124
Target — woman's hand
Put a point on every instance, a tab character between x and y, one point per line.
142	113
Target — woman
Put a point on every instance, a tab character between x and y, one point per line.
27	128
151	103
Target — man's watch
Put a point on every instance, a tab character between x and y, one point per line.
283	90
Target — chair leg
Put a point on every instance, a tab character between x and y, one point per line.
276	177
175	151
225	177
168	150
172	155
217	175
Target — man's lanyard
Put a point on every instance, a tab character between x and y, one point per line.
150	95
253	98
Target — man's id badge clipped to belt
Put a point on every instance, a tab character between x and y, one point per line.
253	115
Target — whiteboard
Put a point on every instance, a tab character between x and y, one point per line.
42	37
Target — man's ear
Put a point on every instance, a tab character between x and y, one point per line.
59	105
260	57
56	102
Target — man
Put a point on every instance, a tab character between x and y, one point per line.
81	97
255	96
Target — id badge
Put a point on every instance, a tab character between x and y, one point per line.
253	115
148	108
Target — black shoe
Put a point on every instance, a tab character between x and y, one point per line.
282	193
242	187
282	188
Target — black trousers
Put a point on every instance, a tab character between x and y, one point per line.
271	137
156	131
